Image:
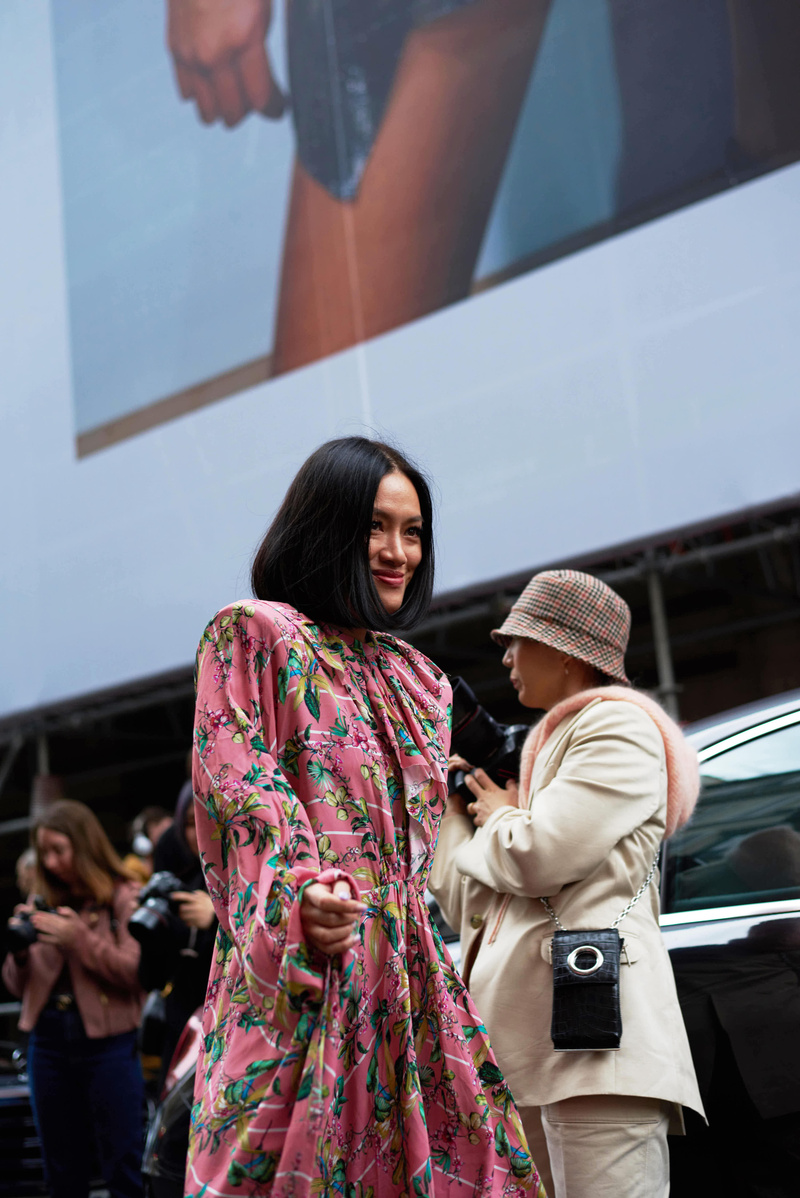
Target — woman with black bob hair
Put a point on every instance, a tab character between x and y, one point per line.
313	554
341	1052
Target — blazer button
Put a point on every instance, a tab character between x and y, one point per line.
476	921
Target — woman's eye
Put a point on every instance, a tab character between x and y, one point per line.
415	531
375	526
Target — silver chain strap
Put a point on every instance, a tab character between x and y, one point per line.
548	908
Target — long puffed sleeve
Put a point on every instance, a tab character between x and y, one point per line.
271	1021
607	785
256	843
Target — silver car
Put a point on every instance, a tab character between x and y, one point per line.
731	920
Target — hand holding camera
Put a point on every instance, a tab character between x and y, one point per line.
22	930
487	796
477	737
196	908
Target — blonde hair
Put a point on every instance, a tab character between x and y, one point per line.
98	868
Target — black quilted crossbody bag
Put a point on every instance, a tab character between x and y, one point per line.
586	1013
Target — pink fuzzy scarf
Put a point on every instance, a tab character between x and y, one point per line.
683	777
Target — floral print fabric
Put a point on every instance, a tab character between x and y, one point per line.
318	755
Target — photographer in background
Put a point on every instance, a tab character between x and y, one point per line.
145	832
176	927
74	965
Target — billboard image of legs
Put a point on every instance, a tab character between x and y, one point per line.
341	168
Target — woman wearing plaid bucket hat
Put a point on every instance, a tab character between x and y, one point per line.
604	777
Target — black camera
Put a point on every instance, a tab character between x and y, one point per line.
156	918
21	933
477	737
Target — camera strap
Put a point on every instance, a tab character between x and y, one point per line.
626	911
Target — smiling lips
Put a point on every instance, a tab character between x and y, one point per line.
389	578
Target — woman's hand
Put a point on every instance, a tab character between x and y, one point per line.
329	914
196	908
455	802
488	796
220	55
60	927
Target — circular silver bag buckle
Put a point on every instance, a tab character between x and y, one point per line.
572	960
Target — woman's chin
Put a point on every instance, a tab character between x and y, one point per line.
392	602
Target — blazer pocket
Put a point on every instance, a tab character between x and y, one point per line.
631	948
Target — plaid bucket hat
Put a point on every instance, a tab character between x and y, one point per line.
576	613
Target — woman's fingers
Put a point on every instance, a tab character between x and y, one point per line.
458	763
205	97
319	895
258	83
185	78
473	784
231	103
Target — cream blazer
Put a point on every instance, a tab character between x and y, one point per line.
586	840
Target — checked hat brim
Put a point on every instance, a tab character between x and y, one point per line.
603	656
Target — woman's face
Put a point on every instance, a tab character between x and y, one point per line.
395	543
56	854
537	672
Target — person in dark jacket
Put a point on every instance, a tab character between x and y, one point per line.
182	970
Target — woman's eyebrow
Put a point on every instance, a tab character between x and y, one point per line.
376	511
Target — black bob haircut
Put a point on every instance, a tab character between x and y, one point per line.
315	553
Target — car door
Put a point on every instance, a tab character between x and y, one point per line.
731	920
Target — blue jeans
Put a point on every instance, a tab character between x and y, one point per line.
86	1094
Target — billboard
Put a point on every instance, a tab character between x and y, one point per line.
251	186
567	389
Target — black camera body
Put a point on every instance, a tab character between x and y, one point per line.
156	918
21	933
481	740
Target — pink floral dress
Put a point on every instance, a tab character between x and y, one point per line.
371	1075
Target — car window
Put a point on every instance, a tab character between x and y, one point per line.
743	843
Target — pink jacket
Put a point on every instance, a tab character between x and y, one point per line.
103	966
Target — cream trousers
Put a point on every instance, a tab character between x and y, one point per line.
600	1146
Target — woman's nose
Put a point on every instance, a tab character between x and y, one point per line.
507	659
392	548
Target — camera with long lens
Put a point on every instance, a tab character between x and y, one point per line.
20	932
482	741
156	919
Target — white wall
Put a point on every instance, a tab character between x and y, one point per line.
642	384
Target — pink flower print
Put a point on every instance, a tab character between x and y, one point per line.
217	719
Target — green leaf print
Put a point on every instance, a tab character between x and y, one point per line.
321	775
283	684
312	701
306	1084
489	1074
289	757
339	727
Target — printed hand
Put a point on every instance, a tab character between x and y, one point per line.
196	908
328	915
220	55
